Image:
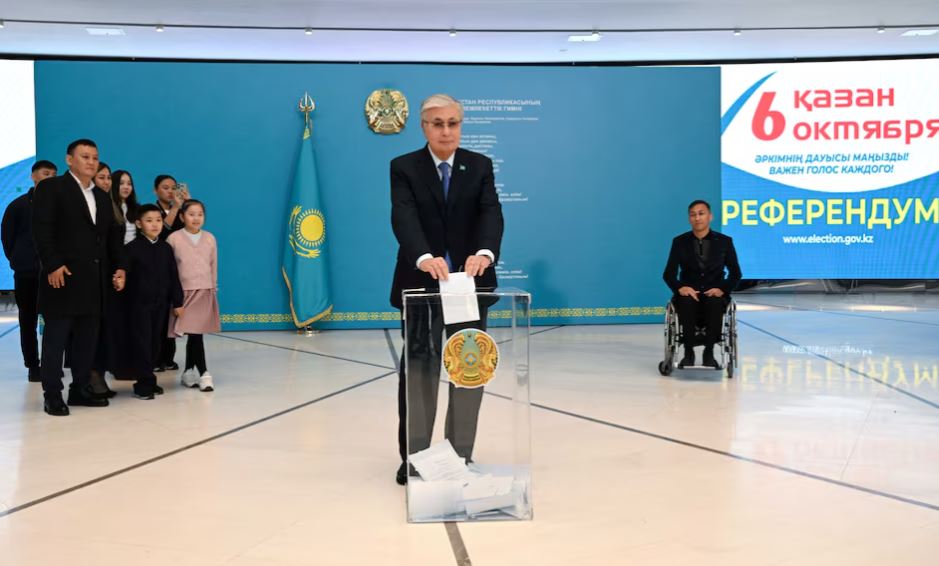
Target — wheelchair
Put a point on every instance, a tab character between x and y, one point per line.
727	344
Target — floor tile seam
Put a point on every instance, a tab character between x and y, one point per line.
857	441
298	350
731	455
187	447
9	330
899	390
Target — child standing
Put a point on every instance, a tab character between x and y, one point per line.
197	264
152	288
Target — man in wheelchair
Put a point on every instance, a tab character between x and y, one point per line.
695	272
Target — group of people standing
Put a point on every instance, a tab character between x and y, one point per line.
115	281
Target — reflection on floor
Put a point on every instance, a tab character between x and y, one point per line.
822	450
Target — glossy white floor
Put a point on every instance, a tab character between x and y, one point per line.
823	450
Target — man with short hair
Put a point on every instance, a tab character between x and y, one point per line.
170	198
79	247
445	214
18	247
695	272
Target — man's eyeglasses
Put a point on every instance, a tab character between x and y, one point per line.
440	124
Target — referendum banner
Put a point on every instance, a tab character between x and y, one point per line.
831	170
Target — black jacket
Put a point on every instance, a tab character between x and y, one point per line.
65	235
683	269
470	220
17	236
152	279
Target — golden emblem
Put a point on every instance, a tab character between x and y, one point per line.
307	231
387	111
470	358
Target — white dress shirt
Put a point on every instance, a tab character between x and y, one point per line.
89	196
130	229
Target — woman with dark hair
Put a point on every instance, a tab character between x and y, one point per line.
103	177
125	203
99	385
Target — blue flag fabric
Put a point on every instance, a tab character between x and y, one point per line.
305	252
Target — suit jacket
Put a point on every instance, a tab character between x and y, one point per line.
469	220
65	235
17	236
682	268
152	277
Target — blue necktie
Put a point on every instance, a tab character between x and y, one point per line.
445	177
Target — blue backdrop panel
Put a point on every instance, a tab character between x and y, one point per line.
594	165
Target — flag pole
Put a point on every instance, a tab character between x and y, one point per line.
307	105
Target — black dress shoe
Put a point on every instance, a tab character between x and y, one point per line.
402	476
709	359
158	369
55	406
173	366
144	392
99	386
688	359
157	390
34	375
85	397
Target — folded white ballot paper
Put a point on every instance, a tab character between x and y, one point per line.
440	462
458	298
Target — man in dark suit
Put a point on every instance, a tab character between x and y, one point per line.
446	215
79	247
695	272
17	236
170	198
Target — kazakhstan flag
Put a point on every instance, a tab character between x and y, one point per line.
305	251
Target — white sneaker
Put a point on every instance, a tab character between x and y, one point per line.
205	382
189	378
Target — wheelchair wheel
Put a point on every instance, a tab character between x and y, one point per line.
665	367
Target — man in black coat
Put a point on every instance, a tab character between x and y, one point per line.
695	272
18	246
446	215
79	246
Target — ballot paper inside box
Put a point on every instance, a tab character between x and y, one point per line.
468	409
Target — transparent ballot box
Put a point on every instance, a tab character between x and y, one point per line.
468	409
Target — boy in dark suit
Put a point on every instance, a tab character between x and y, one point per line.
152	289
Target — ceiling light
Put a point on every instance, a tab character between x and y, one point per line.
881	29
452	33
737	33
308	31
582	38
105	31
919	32
159	29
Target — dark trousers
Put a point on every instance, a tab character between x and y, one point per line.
167	351
145	329
26	289
195	353
81	335
418	385
710	310
100	362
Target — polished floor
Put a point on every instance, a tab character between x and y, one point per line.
824	449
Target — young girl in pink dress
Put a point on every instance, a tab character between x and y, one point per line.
197	263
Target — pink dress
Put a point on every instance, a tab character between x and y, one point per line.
197	263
